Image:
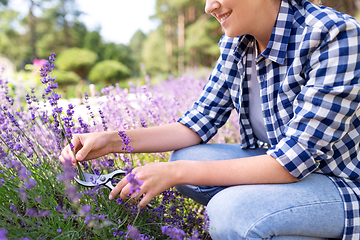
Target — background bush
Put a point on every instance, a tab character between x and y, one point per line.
109	71
77	60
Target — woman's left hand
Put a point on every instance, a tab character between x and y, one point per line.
156	177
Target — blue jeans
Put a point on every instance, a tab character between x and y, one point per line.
311	209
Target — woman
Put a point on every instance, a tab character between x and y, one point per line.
290	69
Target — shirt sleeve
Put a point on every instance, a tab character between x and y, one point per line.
327	106
214	105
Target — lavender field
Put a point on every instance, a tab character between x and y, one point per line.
39	198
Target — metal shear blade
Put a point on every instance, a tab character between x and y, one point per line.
92	180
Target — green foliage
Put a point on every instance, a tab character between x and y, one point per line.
65	78
93	42
109	71
121	53
203	36
78	60
154	54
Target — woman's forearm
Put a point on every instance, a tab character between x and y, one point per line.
252	170
157	139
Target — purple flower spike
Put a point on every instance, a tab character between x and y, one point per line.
31	212
126	141
173	233
135	183
133	233
3	234
30	183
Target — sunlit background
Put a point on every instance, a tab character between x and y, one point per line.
112	41
117	20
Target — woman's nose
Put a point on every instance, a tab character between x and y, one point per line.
211	5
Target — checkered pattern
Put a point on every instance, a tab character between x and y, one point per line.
309	78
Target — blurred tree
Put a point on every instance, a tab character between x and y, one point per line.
66	81
201	43
66	14
122	54
93	41
176	17
9	37
109	71
136	46
137	41
77	60
350	7
167	17
154	53
186	37
32	26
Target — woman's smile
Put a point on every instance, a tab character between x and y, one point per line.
222	17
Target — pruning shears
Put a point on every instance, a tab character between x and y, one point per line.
93	180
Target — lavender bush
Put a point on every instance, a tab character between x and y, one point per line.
38	197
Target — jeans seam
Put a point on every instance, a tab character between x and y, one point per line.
282	210
205	193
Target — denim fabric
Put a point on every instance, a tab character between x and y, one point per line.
311	209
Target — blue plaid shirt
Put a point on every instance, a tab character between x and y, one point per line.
309	78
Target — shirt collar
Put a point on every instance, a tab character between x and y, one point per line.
278	44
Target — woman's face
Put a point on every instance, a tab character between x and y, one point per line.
237	17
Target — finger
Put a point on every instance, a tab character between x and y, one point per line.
125	192
67	155
145	200
118	189
79	147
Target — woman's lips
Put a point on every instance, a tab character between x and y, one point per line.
223	17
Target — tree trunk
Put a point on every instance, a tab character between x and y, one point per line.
32	26
67	34
191	14
169	45
181	41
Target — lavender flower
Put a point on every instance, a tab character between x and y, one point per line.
84	210
44	213
126	141
135	183
103	120
133	233
30	183
118	233
22	194
3	234
13	208
173	233
30	212
21	155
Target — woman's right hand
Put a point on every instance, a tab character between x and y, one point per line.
88	146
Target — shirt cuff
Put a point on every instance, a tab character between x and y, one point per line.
196	121
294	157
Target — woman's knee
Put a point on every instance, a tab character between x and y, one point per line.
261	211
224	221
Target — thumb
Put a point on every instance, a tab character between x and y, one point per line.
83	152
79	156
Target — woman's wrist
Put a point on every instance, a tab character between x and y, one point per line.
115	143
180	171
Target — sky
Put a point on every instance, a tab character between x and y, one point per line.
118	19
